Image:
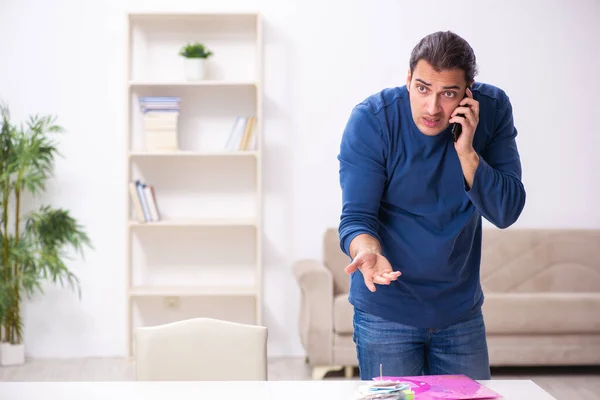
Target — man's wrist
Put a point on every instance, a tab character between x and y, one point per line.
364	242
368	249
469	162
469	155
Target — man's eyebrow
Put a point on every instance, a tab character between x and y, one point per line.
445	87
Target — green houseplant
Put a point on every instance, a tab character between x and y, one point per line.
36	243
195	55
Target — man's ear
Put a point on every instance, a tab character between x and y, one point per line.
408	79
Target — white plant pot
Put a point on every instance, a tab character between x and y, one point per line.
12	354
194	68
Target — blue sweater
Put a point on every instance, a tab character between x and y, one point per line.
408	191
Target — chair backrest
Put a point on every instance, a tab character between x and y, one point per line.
201	349
335	260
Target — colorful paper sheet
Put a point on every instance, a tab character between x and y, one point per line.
449	387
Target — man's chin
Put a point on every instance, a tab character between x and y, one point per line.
427	131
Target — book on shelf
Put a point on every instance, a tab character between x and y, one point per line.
144	201
242	136
160	117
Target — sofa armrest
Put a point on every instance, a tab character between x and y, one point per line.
316	310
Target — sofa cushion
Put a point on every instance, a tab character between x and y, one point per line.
343	314
540	261
514	313
542	313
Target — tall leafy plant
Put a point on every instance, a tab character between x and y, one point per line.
35	244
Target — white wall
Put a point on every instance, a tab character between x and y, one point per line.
322	57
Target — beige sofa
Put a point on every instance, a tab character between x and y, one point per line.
542	291
542	306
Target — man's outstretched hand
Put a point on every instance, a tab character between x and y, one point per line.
376	269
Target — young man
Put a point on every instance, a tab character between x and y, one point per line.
413	201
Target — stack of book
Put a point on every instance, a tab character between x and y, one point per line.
144	201
242	134
160	116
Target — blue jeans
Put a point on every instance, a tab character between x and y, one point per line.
408	351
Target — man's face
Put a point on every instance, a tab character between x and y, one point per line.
434	96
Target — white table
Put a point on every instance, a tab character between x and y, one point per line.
281	390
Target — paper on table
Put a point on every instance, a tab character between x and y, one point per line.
384	390
449	387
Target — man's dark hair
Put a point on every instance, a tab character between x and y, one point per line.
445	50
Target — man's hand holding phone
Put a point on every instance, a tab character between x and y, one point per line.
376	269
469	118
468	157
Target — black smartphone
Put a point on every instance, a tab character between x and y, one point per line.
457	128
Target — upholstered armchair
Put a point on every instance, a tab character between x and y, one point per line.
325	313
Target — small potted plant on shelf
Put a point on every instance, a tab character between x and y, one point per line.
34	244
195	56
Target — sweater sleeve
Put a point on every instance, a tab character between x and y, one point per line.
362	174
497	190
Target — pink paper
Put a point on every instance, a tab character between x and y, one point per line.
449	387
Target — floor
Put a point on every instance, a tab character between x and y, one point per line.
564	383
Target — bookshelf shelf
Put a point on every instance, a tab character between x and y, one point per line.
193	169
192	84
195	222
182	153
148	291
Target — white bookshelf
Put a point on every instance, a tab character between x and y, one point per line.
203	257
